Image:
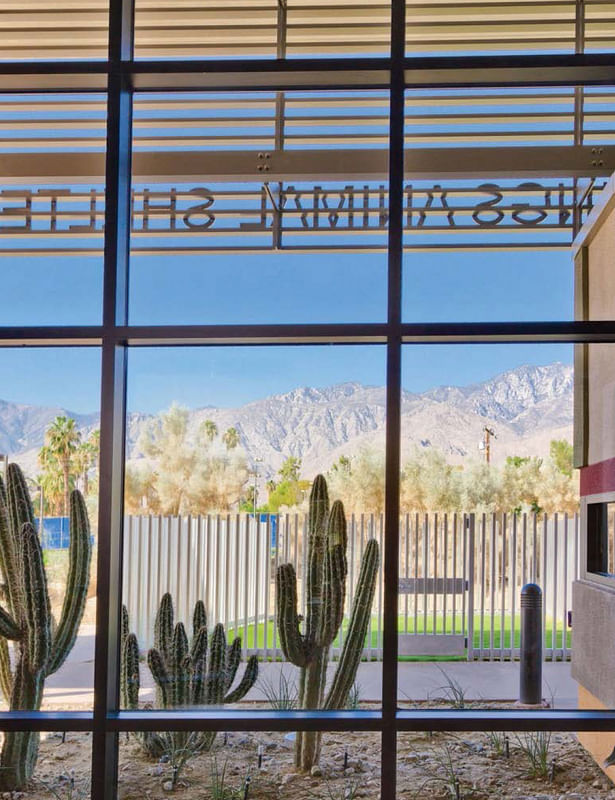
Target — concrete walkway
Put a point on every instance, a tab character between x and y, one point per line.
72	686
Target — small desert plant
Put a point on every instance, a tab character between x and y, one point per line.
66	787
219	788
535	746
443	774
283	696
348	789
452	691
179	748
354	696
499	743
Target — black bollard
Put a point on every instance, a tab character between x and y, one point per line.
530	691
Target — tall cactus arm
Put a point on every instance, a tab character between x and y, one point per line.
8	555
160	675
198	650
247	682
129	676
180	666
334	577
77	582
197	686
199	618
216	672
37	611
8	627
292	642
19	503
233	659
163	627
6	675
124	625
317	517
353	645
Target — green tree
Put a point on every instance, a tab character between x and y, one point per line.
62	440
342	464
52	482
359	481
85	457
290	469
230	437
520	484
430	483
560	452
287	494
188	475
209	429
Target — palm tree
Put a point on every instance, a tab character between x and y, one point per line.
83	459
62	440
51	481
231	438
210	429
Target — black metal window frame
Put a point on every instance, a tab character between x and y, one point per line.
120	76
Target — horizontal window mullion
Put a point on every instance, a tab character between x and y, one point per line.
46	721
191	720
492	332
502	720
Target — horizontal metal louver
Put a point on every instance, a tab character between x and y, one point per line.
37	29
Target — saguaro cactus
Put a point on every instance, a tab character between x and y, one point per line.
186	674
40	646
306	640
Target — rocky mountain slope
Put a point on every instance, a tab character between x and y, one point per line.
526	407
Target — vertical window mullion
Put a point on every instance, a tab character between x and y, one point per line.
113	398
393	411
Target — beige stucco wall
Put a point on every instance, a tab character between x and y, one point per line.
601	401
598	745
601	357
593	631
601	288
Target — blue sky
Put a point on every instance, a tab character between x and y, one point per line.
232	376
342	287
438	286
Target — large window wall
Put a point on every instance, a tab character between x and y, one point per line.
234	212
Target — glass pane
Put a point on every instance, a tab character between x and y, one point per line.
221	470
483	28
43	31
49	429
263	29
249	765
599	26
488	248
490	117
52	209
505	765
296	195
489	503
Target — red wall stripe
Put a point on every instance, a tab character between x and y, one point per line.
598	478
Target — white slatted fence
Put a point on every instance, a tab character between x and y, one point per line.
460	577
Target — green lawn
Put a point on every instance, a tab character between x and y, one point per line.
497	633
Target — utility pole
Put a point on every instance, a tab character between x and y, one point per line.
489	432
256	463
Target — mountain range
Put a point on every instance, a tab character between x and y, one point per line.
526	407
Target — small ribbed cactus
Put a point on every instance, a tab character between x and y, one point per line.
187	674
39	645
325	598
